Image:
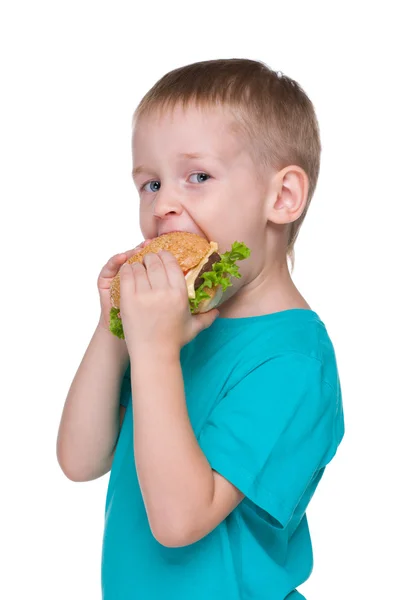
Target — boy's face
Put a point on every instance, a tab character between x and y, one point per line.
216	194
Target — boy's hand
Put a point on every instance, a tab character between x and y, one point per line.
105	278
154	306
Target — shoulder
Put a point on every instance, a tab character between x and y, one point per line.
293	342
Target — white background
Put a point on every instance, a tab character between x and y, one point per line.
71	76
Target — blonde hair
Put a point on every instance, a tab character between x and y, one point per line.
271	109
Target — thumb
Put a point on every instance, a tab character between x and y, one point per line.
205	320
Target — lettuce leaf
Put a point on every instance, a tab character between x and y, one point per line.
221	274
116	324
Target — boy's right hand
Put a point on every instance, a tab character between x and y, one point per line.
107	274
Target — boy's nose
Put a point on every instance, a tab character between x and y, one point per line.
165	204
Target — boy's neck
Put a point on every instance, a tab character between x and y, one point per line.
266	294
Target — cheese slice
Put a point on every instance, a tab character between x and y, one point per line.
191	275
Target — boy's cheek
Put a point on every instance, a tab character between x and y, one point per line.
147	225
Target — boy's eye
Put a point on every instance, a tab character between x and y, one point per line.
200	177
153	185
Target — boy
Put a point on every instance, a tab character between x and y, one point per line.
230	421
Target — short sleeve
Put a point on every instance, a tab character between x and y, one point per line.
126	388
272	432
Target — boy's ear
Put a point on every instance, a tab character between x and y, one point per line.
288	196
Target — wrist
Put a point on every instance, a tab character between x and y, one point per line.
118	345
154	350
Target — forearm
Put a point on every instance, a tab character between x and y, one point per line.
175	477
89	424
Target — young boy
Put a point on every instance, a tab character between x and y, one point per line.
231	416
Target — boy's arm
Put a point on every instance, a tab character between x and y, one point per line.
91	417
184	498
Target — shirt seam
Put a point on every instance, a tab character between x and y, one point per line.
312	358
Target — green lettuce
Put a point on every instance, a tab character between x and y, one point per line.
116	324
221	274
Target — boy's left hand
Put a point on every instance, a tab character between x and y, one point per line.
154	305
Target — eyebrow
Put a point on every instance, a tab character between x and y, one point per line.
183	155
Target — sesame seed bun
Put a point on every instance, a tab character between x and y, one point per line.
189	250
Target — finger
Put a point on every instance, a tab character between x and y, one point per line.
204	320
139	272
127	284
156	273
174	272
112	267
120	259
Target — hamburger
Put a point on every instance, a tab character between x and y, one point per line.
207	273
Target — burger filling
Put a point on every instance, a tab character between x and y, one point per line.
193	274
214	258
220	271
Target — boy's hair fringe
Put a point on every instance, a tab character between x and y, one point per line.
272	109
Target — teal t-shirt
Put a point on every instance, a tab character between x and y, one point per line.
264	400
